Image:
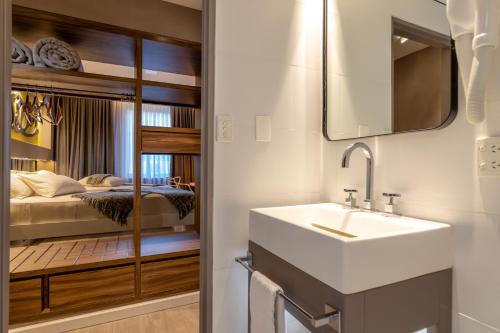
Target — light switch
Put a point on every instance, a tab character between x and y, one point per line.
263	128
224	128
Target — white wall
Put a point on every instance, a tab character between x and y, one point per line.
267	63
436	174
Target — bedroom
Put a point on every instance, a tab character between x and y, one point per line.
105	156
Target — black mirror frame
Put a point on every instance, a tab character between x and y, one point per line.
453	85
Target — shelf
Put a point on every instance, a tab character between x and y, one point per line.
169	93
172	57
71	80
107	43
104	43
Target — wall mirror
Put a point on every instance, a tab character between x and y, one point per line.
399	75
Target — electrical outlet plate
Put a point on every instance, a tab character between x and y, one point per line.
488	157
224	128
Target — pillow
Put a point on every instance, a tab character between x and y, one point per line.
107	182
48	184
18	189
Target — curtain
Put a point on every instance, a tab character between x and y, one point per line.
155	168
183	165
23	164
84	138
123	122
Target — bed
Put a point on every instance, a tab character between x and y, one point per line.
38	217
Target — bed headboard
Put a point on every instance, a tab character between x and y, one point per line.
31	165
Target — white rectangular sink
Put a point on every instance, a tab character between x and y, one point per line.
352	250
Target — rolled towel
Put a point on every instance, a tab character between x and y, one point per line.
54	53
21	54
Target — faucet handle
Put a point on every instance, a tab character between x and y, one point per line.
391	196
350	198
389	207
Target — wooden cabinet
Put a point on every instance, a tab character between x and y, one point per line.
170	276
25	300
91	289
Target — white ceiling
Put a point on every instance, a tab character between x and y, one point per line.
196	4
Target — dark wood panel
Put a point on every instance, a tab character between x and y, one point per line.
93	41
25	150
25	300
309	292
169	93
107	43
92	289
160	140
167	57
171	276
405	306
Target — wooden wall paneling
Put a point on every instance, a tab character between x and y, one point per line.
95	42
25	300
100	42
162	140
137	165
91	289
168	57
25	150
171	94
170	276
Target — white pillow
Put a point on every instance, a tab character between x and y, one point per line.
107	182
48	184
18	189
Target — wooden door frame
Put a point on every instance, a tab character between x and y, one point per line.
5	37
207	159
206	163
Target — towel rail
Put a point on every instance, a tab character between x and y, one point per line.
331	317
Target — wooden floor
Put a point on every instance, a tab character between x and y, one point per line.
183	319
72	254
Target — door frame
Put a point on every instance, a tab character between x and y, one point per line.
207	166
208	63
5	32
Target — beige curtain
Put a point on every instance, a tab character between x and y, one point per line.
23	165
84	138
183	165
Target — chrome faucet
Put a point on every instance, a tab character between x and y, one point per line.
346	157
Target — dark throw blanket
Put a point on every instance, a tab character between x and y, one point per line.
117	204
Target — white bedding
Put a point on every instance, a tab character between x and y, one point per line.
40	217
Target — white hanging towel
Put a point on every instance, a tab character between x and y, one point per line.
267	308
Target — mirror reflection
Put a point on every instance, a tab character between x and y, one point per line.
406	86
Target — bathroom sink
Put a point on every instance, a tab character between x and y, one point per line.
352	250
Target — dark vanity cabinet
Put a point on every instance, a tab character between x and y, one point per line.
407	306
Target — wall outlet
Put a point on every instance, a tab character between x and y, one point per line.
263	128
488	157
224	128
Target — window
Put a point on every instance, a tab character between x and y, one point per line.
155	168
